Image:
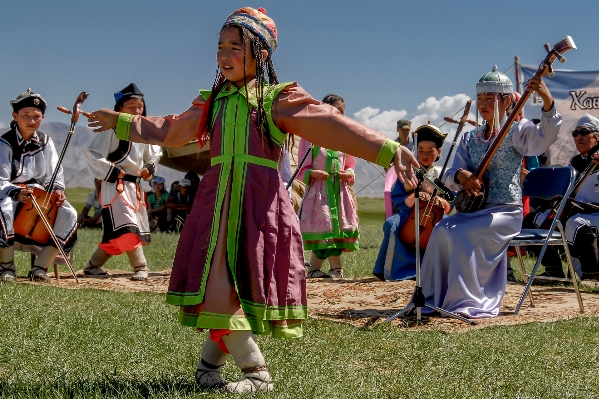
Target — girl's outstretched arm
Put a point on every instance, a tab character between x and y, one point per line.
296	112
171	130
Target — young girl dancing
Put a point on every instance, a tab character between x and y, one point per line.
395	261
239	267
328	219
464	269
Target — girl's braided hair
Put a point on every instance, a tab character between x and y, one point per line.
264	70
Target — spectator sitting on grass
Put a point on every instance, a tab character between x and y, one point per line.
92	201
180	204
157	206
194	179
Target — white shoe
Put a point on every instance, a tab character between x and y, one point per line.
335	273
8	276
258	381
141	273
8	273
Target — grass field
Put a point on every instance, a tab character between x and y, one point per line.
64	343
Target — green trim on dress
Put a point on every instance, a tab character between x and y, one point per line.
233	163
332	239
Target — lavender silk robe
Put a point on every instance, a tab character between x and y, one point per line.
239	263
464	269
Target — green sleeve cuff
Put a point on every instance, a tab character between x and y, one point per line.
307	177
123	126
387	152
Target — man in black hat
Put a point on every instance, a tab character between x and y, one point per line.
28	160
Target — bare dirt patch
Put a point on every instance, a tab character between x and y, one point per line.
367	301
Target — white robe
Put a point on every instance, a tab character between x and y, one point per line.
121	212
35	167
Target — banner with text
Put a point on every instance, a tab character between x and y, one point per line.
575	93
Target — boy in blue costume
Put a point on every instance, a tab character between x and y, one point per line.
396	261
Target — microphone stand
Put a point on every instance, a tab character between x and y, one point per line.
418	301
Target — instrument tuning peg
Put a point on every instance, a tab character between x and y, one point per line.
547	47
561	58
550	71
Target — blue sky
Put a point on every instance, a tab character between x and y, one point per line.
388	59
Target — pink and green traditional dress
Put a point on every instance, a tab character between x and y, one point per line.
239	263
328	218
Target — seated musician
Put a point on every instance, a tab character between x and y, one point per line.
464	269
581	227
395	260
92	201
28	159
122	165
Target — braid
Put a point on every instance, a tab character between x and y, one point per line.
263	67
206	119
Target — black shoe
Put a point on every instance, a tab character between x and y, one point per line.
511	277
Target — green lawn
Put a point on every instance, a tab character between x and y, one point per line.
65	343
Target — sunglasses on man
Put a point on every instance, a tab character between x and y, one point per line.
582	132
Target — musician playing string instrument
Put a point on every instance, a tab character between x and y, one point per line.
465	266
396	261
583	224
28	159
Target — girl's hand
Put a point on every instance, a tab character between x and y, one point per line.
145	173
403	160
345	175
25	195
61	197
537	85
103	119
469	182
319	174
596	159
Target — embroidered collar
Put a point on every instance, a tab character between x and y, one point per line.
35	138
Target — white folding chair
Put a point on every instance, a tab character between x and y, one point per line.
547	184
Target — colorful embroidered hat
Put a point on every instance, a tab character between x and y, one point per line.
128	92
257	22
28	99
430	133
494	82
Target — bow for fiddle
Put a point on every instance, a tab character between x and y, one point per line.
47	210
430	213
469	203
299	166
